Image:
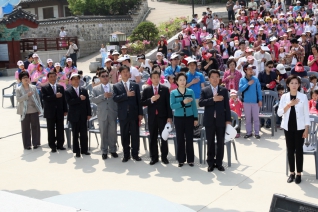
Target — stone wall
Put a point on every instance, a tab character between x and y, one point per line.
91	31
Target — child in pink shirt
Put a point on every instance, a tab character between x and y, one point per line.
173	85
313	102
237	106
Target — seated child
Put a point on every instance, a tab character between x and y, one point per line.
237	106
313	102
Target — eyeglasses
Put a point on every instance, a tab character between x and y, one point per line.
103	76
270	66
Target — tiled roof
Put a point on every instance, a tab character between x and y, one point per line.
27	1
18	14
72	19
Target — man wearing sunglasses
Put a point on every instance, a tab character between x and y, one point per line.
102	95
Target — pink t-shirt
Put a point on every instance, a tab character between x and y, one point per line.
314	66
61	76
38	74
173	86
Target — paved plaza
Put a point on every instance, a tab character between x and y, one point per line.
248	185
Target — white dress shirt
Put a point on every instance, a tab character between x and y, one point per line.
106	88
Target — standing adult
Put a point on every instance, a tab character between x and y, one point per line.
29	108
253	5
102	95
231	76
215	100
157	100
29	59
174	68
134	73
124	51
130	113
62	36
297	52
294	108
262	56
252	97
71	52
313	59
55	108
185	117
230	10
79	113
195	80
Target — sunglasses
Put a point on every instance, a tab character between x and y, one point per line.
270	66
104	76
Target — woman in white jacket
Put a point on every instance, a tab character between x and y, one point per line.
294	109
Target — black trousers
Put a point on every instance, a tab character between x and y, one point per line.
295	142
55	125
238	129
79	129
129	130
184	132
231	15
155	127
74	58
211	132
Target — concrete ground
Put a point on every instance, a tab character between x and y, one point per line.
162	11
248	185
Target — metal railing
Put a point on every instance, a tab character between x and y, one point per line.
46	44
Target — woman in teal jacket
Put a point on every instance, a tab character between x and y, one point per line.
182	102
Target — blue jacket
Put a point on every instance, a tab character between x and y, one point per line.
169	71
252	93
180	109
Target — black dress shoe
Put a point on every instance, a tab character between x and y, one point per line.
153	162
191	164
104	156
180	165
291	178
268	126
124	160
298	179
247	136
28	148
165	161
62	148
114	154
210	169
86	153
137	158
53	150
35	147
221	168
78	155
257	137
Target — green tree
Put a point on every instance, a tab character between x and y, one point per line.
145	31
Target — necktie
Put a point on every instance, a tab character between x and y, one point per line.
125	84
156	92
214	93
54	89
77	91
105	88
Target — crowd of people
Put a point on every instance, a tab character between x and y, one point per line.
210	65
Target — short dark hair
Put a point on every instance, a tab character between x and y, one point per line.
155	66
155	72
294	40
290	78
231	61
102	71
270	62
213	71
50	73
123	68
312	77
30	55
280	87
80	72
242	42
184	70
180	74
23	74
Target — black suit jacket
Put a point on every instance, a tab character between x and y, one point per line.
162	105
78	109
222	108
124	102
54	106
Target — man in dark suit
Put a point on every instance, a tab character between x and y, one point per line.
55	109
217	113
157	99
79	113
130	114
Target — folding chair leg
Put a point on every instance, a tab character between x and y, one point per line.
286	163
175	147
89	141
96	139
204	152
200	150
228	149
316	163
234	147
12	101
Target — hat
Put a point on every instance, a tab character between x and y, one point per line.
230	133
123	47
265	48
252	26
250	57
49	61
108	60
232	44
57	64
281	68
298	2
285	35
69	60
74	74
123	58
308	31
260	20
20	63
247	65
159	54
249	50
141	56
115	52
299	67
244	24
193	37
35	55
208	37
233	92
206	56
236	21
162	36
174	56
260	29
273	39
303	33
289	30
191	60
